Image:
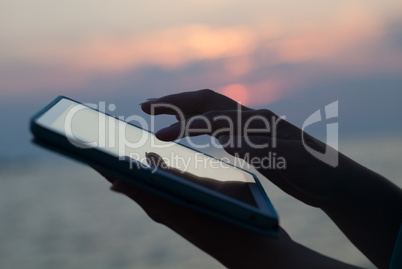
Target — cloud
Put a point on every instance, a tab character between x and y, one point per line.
168	48
352	39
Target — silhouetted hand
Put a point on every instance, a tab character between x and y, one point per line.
364	205
233	246
299	174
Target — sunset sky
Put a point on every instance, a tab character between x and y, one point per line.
290	56
261	53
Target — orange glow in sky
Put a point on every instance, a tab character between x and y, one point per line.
168	48
237	92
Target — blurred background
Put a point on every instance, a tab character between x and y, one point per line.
288	56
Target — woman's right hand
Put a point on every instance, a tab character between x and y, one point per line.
364	205
244	132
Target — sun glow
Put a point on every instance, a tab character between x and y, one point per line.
237	92
347	39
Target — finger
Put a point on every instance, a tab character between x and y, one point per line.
183	220
158	208
149	202
261	122
155	160
190	223
106	175
190	103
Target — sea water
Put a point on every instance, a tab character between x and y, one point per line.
57	213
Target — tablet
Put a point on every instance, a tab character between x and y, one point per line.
174	171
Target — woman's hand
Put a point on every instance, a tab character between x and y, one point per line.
233	246
364	205
259	137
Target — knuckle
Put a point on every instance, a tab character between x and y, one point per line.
265	112
207	94
207	91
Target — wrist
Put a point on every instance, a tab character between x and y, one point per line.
353	180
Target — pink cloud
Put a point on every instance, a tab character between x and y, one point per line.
340	41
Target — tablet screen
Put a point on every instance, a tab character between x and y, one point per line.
86	127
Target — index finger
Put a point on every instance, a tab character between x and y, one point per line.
191	103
